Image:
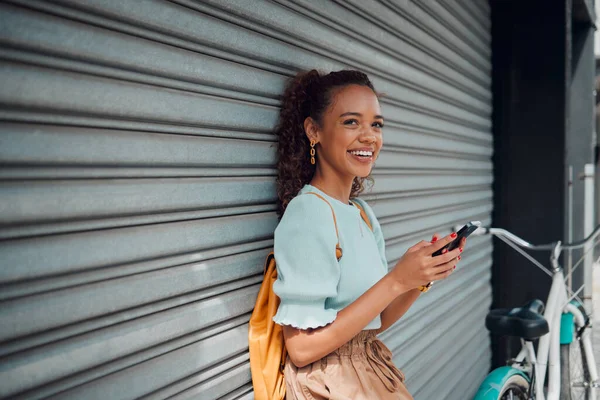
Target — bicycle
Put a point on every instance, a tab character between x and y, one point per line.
564	333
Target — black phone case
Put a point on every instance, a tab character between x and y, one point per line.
464	232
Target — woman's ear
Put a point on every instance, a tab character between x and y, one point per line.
311	129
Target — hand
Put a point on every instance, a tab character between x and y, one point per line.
418	267
463	241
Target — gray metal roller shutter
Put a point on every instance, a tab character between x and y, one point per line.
137	196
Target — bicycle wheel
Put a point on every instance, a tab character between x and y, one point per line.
575	376
515	388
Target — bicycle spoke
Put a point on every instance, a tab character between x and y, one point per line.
578	377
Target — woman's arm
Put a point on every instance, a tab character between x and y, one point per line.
397	309
417	267
307	346
402	303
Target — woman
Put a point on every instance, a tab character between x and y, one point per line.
330	134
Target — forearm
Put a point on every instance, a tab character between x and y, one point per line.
397	309
305	347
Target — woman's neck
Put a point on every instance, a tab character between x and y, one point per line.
335	187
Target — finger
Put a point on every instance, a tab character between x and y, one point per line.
435	237
463	242
446	273
442	242
445	269
445	257
448	267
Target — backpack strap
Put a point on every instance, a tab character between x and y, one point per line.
270	258
363	214
338	248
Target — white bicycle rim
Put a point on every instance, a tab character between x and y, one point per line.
575	372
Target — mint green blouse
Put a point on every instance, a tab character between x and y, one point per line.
312	285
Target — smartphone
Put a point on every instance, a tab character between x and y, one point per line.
464	232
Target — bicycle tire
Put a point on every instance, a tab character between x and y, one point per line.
515	386
574	372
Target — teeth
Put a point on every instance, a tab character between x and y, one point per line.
362	153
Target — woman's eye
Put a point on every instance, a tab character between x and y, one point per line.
351	122
378	125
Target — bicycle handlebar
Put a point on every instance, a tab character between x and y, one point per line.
515	239
525	244
583	242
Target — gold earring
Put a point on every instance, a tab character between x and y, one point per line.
312	152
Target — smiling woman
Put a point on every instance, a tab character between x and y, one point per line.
333	303
340	103
348	136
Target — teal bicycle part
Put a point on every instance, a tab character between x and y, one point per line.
499	381
567	328
567	323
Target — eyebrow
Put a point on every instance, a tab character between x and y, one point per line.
359	115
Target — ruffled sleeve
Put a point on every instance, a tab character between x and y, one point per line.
376	230
307	269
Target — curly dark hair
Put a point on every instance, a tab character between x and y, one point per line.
308	94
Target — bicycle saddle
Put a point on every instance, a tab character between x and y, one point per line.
526	322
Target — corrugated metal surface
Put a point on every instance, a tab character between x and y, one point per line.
137	196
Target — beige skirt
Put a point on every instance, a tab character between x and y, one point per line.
359	370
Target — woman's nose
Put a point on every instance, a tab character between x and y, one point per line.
367	137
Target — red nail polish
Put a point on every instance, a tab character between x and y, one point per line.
434	239
453	235
458	259
454	268
461	249
444	251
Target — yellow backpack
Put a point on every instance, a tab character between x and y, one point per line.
265	337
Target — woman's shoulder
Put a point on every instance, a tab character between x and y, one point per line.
363	203
307	216
365	206
306	206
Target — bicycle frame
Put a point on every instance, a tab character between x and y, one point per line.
547	358
548	355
